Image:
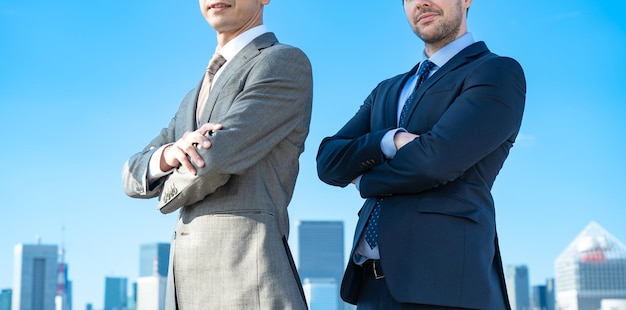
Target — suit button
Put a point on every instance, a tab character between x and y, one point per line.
138	188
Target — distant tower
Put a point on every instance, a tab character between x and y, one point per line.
320	293
5	299
147	254
517	286
321	255
550	291
151	290
63	299
591	269
539	300
115	293
35	276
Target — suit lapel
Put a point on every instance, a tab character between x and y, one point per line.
465	56
250	51
191	113
391	100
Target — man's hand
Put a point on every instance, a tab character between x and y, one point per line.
185	150
400	139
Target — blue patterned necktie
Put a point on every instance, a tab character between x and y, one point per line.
371	232
422	75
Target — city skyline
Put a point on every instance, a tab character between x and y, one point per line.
84	85
521	291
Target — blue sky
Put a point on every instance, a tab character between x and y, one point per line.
83	85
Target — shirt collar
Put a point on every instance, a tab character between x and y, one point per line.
230	49
442	56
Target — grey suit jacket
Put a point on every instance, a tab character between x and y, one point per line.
229	249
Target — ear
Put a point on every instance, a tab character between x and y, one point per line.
265	2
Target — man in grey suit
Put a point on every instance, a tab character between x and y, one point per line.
229	163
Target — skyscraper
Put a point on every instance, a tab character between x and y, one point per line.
550	291
151	293
151	252
152	281
320	254
517	287
321	293
591	269
5	299
115	293
539	300
151	290
35	277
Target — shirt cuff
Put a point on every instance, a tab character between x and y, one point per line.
154	166
387	145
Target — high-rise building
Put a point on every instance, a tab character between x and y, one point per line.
5	299
538	298
132	298
550	291
542	296
151	290
321	293
115	293
320	253
517	287
35	277
591	269
151	293
152	281
151	252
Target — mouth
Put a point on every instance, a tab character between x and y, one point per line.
425	17
218	6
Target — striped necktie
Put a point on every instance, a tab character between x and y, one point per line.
216	62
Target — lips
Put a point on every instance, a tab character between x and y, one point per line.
425	17
218	5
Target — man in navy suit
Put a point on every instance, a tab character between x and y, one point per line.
426	235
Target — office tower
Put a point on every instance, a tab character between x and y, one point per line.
517	287
320	254
150	252
132	298
5	299
550	291
538	299
592	268
115	293
152	281
151	290
613	304
321	293
35	277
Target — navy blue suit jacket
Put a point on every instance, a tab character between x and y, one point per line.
437	230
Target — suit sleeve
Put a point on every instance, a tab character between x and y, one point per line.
485	116
353	150
275	100
135	170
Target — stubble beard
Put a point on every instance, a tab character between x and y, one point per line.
445	32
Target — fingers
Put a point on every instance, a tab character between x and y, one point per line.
184	152
209	129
